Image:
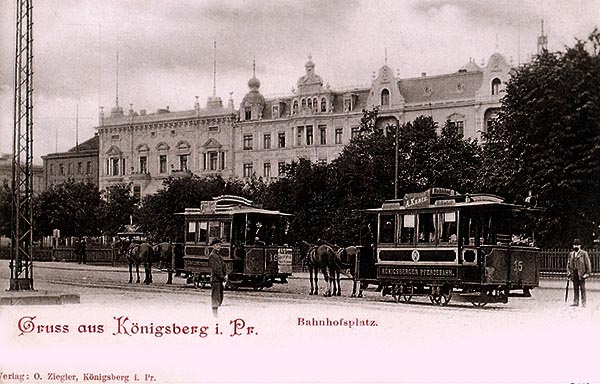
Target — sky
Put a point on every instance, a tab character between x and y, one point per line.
166	52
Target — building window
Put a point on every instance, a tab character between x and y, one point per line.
70	168
303	103
385	97
322	161
309	135
248	169
52	169
143	164
316	104
347	105
88	168
281	140
247	113
295	107
267	170
354	131
80	168
459	126
114	167
339	132
323	134
300	135
267	141
281	168
496	86
222	160
310	104
123	169
183	159
323	105
247	142
213	128
275	113
213	160
162	164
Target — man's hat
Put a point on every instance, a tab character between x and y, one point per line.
216	240
576	242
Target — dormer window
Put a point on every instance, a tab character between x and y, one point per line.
323	105
316	104
496	86
310	103
303	103
385	97
247	113
295	107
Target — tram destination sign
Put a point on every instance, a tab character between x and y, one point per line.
418	272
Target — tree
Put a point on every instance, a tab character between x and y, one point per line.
547	141
71	207
117	208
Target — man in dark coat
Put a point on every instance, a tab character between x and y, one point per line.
217	276
578	269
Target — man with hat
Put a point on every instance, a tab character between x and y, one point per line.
578	269
217	275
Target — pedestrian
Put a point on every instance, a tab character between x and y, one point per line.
82	249
578	269
217	275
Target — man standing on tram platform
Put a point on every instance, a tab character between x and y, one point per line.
578	269
217	275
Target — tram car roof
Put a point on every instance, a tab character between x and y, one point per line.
436	198
229	205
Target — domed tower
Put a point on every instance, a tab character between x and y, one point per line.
253	103
310	82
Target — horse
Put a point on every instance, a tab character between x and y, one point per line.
166	257
140	254
346	258
321	257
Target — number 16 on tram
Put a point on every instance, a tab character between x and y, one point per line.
444	245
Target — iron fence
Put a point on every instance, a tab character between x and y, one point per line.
553	262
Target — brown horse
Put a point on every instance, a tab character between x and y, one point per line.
140	254
166	258
321	257
346	258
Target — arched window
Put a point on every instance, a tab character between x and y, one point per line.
295	107
385	97
309	104
316	104
323	105
496	86
303	103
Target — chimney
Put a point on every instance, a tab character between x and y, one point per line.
423	74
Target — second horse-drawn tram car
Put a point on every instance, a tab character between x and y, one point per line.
445	245
254	245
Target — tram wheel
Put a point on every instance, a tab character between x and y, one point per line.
406	298
433	299
443	299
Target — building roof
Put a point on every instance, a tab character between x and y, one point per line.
452	86
92	144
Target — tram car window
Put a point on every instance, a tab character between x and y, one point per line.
387	225
426	228
407	230
447	227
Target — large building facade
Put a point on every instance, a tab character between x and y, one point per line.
313	122
78	163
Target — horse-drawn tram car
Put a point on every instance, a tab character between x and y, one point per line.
253	242
445	245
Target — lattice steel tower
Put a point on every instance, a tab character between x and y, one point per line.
21	267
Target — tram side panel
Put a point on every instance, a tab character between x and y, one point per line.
512	266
